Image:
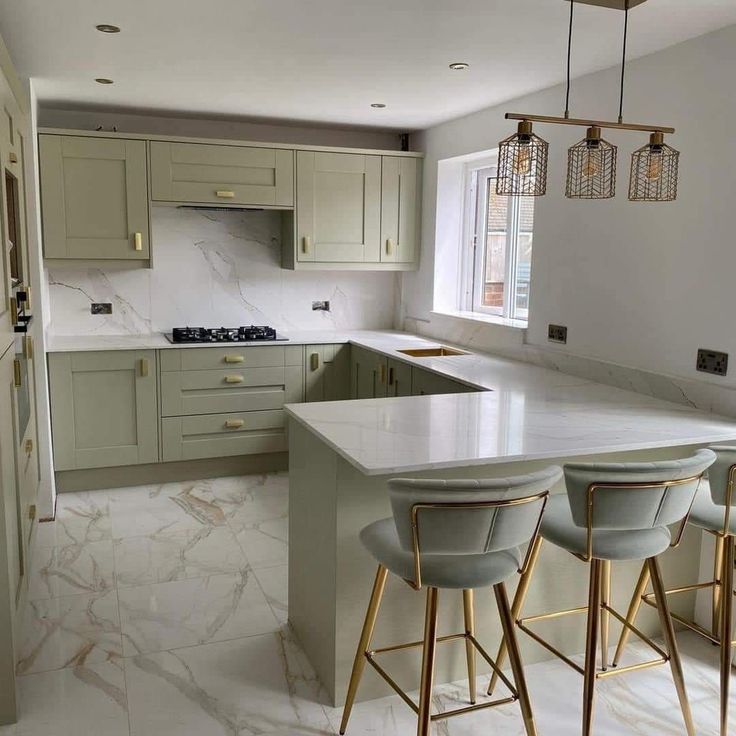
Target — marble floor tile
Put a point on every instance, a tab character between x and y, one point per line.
265	543
252	499
188	612
80	518
258	685
89	700
70	631
274	582
166	556
171	507
71	569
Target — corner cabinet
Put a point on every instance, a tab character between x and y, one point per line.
327	372
104	408
94	194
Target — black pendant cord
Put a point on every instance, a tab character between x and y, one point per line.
569	56
623	63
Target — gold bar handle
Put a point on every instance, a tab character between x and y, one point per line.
225	194
143	367
234	423
391	376
306	244
17	378
138	241
234	358
13	311
389	246
314	361
233	379
28	347
32	511
29	447
28	298
13	157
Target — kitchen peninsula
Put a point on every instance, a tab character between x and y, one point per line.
518	418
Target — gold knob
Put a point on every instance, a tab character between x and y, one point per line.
234	358
233	379
234	423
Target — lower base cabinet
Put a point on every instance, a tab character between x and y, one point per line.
327	372
427	382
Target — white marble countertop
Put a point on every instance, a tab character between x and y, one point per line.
543	420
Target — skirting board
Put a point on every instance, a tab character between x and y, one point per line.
69	481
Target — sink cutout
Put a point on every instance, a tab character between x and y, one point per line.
439	352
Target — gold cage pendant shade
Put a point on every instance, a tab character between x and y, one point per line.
654	171
591	168
522	164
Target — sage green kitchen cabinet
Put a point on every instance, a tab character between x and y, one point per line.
427	382
94	196
368	374
327	372
338	207
400	210
104	408
399	378
221	174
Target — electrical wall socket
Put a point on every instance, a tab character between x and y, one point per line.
100	308
321	306
711	361
557	333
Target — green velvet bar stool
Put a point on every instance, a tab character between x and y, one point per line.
459	535
712	512
615	511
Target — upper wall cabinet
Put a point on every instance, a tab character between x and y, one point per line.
95	198
400	187
219	174
338	208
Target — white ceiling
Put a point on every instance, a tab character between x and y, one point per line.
326	60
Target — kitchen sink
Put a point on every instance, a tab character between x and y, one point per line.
435	352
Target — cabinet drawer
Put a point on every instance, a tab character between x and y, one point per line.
198	359
218	435
213	392
227	175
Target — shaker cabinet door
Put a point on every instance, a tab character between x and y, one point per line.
327	372
400	190
368	374
104	409
338	207
94	198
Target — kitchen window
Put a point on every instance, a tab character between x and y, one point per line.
500	233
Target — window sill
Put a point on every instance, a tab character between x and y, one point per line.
489	319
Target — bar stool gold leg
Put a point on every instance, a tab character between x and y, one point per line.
717	584
428	656
631	614
369	625
726	609
668	632
517	605
605	616
591	645
507	625
469	648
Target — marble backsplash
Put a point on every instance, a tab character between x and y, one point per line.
215	268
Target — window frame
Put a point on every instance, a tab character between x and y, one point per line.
477	176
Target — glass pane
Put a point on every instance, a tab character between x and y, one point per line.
494	271
524	255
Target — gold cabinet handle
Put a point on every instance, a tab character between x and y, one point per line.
28	347
306	244
28	298
225	194
233	379
13	311
382	373
391	376
314	361
17	379
234	423
389	246
29	447
13	157
234	358
32	512
143	367
138	241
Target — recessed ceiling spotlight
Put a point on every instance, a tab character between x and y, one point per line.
458	66
103	80
378	104
107	28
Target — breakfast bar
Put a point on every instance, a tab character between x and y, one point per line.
520	419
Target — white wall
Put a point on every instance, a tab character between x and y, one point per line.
214	268
640	285
196	127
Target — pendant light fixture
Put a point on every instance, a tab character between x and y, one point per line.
591	170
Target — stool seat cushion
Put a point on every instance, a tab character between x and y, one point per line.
438	570
707	515
559	528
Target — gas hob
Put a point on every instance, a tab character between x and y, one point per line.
217	335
